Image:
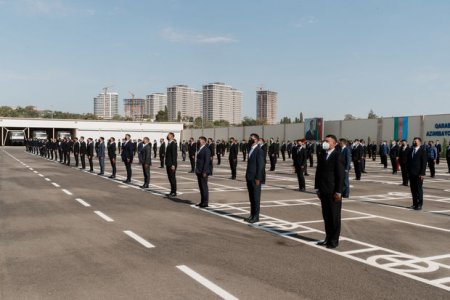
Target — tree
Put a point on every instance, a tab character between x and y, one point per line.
198	122
221	123
372	115
286	120
179	116
301	117
162	115
349	117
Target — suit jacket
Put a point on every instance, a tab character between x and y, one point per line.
83	148
347	156
90	149
146	154
300	157
212	149
393	152
127	151
140	146
171	154
417	164
272	149
101	150
357	153
76	147
330	173
112	150
447	154
403	154
192	148
255	165
233	151
162	150
203	161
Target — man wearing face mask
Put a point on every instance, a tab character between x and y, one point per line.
192	149
300	161
146	161
384	151
162	152
432	156
272	155
417	165
447	157
329	183
233	156
254	176
393	155
127	156
171	163
202	170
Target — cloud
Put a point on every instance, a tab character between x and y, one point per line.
175	36
305	21
44	7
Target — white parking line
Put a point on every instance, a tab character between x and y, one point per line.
82	202
139	239
67	192
206	283
56	185
47	179
103	216
41	175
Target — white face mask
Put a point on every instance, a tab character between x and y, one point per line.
325	146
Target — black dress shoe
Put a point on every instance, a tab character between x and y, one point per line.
203	205
112	177
332	245
413	207
418	208
100	174
172	195
322	243
253	220
248	218
145	186
302	190
126	181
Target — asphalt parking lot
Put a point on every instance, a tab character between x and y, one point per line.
67	233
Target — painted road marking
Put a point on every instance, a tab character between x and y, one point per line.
41	175
206	283
103	216
139	239
67	192
47	179
56	185
82	202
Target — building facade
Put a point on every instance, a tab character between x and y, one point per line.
155	103
266	106
183	102
106	105
135	108
221	102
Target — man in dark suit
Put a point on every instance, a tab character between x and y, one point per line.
90	154
393	155
83	151
212	149
127	156
300	161
347	156
171	163
403	159
112	156
162	152
432	156
356	158
272	155
101	155
192	149
283	150
254	177
140	145
264	148
439	150
146	161
155	148
233	157
202	170
417	165
384	151
76	151
329	182
219	151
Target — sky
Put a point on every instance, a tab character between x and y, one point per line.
324	58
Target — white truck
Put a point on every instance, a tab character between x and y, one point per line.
16	137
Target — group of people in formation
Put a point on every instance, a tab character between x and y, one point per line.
335	158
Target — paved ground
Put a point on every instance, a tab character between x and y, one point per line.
68	234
